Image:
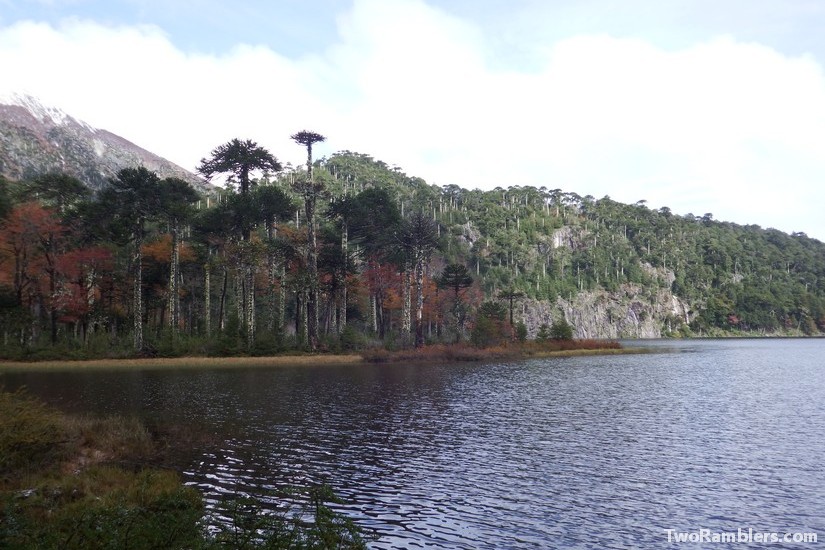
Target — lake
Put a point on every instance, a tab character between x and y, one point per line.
589	452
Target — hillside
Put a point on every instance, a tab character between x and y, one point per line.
615	270
36	139
394	262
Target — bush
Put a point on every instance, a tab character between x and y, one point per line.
521	331
56	492
30	433
266	344
250	525
561	330
543	333
104	507
489	332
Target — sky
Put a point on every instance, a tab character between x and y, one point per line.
703	106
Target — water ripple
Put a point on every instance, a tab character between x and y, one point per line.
596	452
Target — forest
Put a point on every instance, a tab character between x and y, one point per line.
348	252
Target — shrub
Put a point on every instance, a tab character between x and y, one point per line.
30	432
561	330
521	331
104	507
543	333
75	501
352	339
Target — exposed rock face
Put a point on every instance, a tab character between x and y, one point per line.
631	312
469	235
35	139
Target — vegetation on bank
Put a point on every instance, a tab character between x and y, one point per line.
348	253
68	482
445	353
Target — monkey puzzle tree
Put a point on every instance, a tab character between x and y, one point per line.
239	159
419	238
176	198
310	189
273	204
132	198
59	190
511	295
456	277
342	210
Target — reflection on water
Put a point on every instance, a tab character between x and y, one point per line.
595	452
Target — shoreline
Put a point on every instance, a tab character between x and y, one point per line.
193	362
187	362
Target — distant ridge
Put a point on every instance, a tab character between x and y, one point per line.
36	139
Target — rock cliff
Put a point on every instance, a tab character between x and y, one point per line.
633	311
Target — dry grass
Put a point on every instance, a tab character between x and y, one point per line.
430	354
435	353
189	362
463	352
34	436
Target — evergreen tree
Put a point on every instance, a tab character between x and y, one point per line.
311	189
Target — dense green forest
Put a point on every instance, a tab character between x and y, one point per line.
347	252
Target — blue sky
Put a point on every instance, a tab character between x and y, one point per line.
701	106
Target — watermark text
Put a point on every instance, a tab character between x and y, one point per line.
748	535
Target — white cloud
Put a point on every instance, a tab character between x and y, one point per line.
732	128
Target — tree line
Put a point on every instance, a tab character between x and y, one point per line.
276	260
347	251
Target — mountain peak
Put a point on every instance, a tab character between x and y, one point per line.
36	139
44	113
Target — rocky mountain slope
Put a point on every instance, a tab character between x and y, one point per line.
613	270
36	139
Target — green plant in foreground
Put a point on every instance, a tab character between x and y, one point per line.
58	491
251	525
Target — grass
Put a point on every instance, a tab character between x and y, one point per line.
63	485
432	353
464	352
190	362
60	489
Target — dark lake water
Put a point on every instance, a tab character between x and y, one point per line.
591	452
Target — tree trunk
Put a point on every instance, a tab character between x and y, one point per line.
174	302
52	306
271	266
305	318
342	305
282	300
312	267
419	302
406	320
250	306
207	298
240	296
138	289
298	316
222	305
373	315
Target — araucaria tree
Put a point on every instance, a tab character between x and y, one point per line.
239	159
311	190
176	198
457	278
419	238
132	198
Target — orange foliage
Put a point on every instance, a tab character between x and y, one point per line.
83	270
160	250
29	240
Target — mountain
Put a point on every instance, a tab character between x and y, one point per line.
611	269
36	139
